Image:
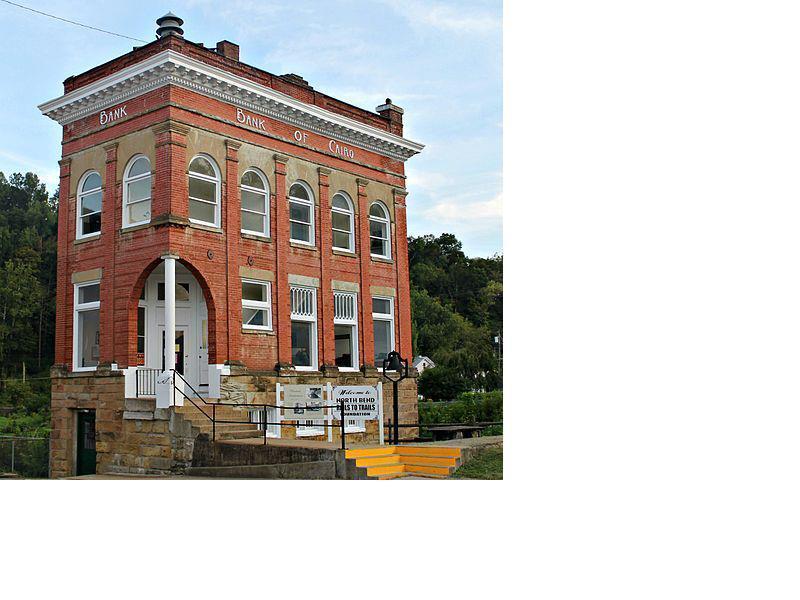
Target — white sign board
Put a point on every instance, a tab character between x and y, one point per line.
301	402
360	402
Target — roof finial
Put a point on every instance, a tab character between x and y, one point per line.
169	24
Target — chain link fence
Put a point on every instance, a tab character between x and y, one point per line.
25	456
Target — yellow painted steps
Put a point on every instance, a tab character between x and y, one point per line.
389	462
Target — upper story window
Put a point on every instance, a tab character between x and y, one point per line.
301	214
136	188
342	222
90	205
379	227
204	191
255	203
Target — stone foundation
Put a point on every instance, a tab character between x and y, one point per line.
133	437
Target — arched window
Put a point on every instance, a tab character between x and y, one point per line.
379	227
136	187
342	222
301	214
204	186
255	203
90	205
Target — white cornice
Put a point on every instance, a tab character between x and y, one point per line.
170	67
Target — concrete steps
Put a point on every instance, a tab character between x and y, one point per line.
224	431
392	462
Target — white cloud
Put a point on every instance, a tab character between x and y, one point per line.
478	214
458	18
21	164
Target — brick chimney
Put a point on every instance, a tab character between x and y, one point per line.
228	49
297	80
392	113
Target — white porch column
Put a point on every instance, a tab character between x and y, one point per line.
166	393
169	312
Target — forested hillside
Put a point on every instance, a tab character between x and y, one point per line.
28	227
457	310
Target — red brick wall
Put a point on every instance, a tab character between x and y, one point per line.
214	257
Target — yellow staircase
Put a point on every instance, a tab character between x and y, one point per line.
391	462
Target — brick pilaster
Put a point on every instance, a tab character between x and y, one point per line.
328	354
108	229
282	313
403	309
367	342
232	226
63	287
170	192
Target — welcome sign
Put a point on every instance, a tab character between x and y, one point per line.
360	402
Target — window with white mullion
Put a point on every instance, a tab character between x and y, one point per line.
304	328
204	191
345	330
383	328
342	222
86	327
256	304
379	231
255	203
136	194
89	205
301	214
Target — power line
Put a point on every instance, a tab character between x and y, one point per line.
39	12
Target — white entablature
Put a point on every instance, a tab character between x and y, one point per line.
172	68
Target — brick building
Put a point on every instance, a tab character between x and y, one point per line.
254	224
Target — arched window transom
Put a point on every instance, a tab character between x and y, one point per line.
90	205
379	228
204	191
342	222
301	214
137	186
255	203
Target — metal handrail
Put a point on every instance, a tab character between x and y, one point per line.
264	423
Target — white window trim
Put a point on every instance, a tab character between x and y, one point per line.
126	181
76	310
310	203
388	222
351	215
352	322
258	305
81	193
308	319
217	181
265	191
385	317
142	304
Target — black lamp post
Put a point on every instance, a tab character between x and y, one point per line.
396	364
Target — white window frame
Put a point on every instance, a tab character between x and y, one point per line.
384	317
216	180
306	318
258	305
253	190
256	416
76	310
386	220
311	204
340	317
79	235
126	181
351	215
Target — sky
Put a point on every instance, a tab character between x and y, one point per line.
440	61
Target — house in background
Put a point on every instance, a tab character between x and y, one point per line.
421	363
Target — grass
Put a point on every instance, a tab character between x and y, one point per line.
486	464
